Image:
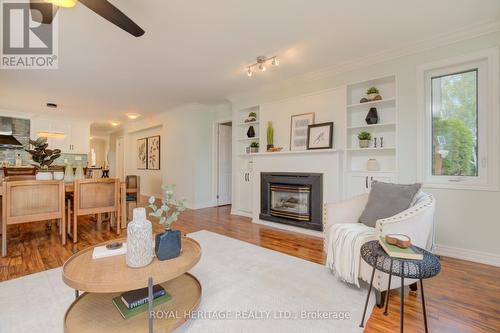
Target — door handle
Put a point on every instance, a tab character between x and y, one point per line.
366	181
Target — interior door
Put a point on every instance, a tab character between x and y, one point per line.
224	164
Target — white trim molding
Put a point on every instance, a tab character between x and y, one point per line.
469	255
488	121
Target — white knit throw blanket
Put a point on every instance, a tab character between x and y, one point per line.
344	245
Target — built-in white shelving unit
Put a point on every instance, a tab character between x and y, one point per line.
242	129
358	178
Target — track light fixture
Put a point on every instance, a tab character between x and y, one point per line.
261	64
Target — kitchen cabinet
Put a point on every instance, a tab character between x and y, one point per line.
76	134
359	183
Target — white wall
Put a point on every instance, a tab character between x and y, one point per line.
467	220
150	179
186	151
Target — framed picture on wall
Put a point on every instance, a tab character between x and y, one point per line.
320	136
142	154
153	152
298	130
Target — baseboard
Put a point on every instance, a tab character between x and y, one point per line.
289	228
240	213
469	255
202	205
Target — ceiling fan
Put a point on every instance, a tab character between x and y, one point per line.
45	14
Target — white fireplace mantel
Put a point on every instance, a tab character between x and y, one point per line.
327	162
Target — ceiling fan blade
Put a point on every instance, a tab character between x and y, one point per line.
105	9
42	12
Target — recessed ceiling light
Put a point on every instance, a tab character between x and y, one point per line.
115	123
133	115
51	105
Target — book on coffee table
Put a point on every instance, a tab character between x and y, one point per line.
397	252
127	313
137	297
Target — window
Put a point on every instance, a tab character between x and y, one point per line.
459	136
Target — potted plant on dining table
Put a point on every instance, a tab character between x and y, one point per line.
167	243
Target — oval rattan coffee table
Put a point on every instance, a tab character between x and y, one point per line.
105	278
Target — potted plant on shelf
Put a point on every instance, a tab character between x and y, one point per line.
364	139
167	243
252	116
254	147
43	157
373	94
270	136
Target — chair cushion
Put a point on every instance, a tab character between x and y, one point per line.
386	200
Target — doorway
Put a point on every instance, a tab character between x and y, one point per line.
224	163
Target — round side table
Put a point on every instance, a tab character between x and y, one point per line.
375	256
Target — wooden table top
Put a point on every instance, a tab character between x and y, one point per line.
69	187
109	275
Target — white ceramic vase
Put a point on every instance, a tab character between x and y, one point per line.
139	240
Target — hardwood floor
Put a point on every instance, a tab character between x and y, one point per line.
464	297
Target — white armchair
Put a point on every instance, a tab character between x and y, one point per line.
417	222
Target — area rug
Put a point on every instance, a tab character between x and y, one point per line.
246	288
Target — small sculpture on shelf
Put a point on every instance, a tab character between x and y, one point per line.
372	117
270	136
168	243
251	132
364	139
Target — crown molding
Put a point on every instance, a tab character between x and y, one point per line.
469	32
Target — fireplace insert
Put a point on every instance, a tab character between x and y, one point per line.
292	198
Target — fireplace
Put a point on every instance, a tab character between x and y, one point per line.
292	198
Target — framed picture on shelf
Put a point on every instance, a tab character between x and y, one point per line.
320	136
298	130
142	154
153	157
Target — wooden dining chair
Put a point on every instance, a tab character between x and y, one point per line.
133	192
95	196
31	201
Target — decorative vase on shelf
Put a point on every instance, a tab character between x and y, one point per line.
139	240
372	165
168	244
251	132
372	117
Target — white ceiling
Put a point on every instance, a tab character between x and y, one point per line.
196	51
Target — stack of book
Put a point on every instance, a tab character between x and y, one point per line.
134	302
397	252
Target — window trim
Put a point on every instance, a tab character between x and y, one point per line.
488	153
